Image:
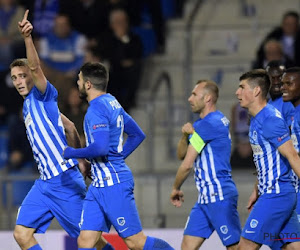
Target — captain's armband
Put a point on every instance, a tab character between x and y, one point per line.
197	142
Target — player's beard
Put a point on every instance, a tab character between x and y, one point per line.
82	93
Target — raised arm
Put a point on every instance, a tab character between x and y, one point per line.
182	145
25	28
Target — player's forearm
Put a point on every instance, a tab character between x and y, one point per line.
73	138
182	174
255	188
34	64
135	137
71	132
295	164
182	147
31	54
98	148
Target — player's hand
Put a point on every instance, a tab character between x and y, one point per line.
177	197
25	27
252	199
187	129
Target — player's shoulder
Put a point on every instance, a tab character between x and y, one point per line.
216	119
105	104
269	112
271	119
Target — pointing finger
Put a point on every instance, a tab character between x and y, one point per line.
25	16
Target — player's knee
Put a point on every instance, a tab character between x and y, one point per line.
188	245
85	240
21	235
136	241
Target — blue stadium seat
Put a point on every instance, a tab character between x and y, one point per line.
168	8
148	38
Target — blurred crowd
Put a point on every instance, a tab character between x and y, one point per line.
279	49
120	34
67	33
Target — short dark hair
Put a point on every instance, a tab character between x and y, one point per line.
291	13
258	77
211	87
20	62
275	64
96	73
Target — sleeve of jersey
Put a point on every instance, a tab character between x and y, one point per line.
50	93
276	131
289	111
96	149
135	136
97	120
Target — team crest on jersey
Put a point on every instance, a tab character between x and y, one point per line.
27	103
121	221
253	223
254	135
224	229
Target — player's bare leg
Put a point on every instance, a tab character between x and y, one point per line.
136	241
101	243
191	242
232	247
245	244
24	236
292	246
88	238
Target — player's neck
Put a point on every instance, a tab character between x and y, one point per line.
207	110
94	94
257	107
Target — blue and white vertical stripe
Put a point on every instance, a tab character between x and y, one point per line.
103	171
208	185
45	133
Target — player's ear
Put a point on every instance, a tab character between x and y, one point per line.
88	84
256	90
207	98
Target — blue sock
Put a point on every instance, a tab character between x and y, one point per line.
156	244
35	247
108	247
87	248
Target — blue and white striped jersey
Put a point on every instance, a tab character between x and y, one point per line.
106	114
295	134
267	132
212	166
285	108
45	132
